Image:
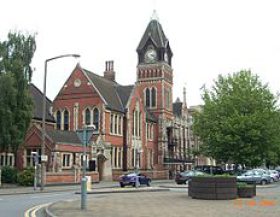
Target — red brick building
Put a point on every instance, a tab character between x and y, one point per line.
137	127
135	123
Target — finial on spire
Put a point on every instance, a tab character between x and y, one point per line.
184	95
154	15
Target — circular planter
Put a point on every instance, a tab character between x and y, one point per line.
246	192
213	188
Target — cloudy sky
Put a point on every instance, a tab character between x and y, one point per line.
208	37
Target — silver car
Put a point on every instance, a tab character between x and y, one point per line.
254	176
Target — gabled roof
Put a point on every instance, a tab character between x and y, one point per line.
114	94
61	136
154	32
37	97
124	93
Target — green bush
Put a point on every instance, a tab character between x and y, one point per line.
244	185
9	174
26	177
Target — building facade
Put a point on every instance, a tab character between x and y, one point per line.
136	127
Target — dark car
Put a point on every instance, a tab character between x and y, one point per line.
185	176
210	169
131	179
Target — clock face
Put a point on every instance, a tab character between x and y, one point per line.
150	55
77	83
166	57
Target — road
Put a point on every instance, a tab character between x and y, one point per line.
16	205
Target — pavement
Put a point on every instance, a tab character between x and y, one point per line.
167	204
163	198
104	186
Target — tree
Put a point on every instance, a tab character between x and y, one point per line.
16	54
240	121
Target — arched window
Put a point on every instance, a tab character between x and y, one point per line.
58	120
154	97
147	97
96	118
66	120
87	117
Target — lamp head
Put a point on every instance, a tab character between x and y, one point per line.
76	55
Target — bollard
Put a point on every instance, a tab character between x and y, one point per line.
0	177
84	194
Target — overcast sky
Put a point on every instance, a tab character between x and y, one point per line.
207	37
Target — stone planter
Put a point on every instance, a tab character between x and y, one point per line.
213	188
246	192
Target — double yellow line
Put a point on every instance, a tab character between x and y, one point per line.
31	212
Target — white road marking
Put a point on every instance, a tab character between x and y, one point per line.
31	212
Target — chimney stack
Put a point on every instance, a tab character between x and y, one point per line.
109	70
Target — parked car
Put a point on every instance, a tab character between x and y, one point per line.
185	176
131	179
274	175
210	169
254	176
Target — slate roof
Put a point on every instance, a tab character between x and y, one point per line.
124	93
61	136
177	109
115	95
155	32
37	96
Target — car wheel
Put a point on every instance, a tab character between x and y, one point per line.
263	182
149	183
122	185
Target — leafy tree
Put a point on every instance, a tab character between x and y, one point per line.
240	121
16	54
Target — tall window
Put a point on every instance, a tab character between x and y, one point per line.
153	97
120	125
132	157
111	123
66	120
66	160
87	119
96	118
58	120
116	124
148	104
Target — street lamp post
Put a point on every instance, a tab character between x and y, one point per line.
138	153
43	156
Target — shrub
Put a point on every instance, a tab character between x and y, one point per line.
26	177
244	185
9	174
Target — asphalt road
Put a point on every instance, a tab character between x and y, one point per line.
17	205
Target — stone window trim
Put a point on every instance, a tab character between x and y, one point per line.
62	124
149	131
67	160
117	155
116	128
93	111
150	96
7	159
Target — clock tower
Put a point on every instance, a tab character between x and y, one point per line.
155	80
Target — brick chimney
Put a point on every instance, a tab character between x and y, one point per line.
109	71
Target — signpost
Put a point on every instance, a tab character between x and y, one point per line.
85	135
